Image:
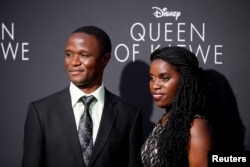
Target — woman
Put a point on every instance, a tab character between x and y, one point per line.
181	137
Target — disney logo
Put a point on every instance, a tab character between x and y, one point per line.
165	13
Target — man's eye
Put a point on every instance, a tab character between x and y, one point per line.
84	55
68	54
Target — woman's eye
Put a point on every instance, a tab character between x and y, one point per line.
165	78
151	78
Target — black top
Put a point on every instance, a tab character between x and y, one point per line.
150	151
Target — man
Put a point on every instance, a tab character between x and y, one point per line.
51	129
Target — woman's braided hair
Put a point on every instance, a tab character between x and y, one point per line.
188	101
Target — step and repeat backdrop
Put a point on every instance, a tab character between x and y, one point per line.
32	42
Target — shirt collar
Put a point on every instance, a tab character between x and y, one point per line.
76	94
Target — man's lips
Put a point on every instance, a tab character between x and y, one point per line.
75	71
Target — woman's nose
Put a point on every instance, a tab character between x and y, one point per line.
156	84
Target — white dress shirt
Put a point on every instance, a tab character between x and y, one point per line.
95	108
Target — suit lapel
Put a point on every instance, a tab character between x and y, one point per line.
107	121
64	111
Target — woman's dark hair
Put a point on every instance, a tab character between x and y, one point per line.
101	36
188	102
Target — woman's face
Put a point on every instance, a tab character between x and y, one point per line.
164	82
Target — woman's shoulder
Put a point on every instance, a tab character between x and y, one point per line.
200	142
199	125
200	130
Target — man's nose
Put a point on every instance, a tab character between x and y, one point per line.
76	61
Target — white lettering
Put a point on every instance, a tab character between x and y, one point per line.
5	30
154	48
24	50
199	50
215	158
9	48
126	52
193	29
14	49
134	51
166	32
180	32
158	32
229	159
216	53
141	35
165	13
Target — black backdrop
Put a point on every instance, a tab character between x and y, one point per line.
32	41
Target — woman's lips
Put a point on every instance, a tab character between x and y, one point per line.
157	96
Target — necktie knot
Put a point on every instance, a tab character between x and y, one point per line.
86	100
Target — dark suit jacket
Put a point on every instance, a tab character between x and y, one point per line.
51	137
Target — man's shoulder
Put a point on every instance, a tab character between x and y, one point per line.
53	96
117	100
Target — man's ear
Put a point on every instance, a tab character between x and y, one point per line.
106	59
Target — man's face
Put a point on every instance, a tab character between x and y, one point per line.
83	61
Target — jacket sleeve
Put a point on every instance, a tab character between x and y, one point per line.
33	144
136	141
